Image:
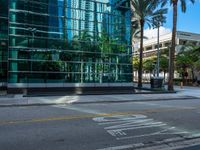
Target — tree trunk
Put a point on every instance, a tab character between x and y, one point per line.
172	50
164	75
193	78
141	55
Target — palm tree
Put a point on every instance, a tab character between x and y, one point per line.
186	58
149	65
173	45
144	11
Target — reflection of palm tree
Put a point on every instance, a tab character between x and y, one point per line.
105	48
105	45
144	11
83	43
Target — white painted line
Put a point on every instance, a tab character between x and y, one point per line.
162	132
118	118
131	125
140	126
197	135
126	121
165	105
117	131
122	147
174	145
167	144
122	127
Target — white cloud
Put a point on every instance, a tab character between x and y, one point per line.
152	33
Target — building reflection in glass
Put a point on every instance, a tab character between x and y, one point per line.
69	41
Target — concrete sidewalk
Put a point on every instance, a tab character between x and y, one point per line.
20	100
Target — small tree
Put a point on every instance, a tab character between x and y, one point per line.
183	62
135	63
186	59
164	64
149	65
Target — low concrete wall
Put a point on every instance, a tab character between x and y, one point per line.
70	88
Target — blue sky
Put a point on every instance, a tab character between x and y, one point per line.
189	21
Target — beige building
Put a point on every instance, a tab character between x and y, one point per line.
150	47
182	38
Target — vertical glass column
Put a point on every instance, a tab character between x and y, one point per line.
3	40
13	54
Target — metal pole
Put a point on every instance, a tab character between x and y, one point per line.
158	51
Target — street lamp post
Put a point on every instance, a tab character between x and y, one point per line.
157	23
158	51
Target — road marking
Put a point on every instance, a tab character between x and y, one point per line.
122	147
165	105
134	125
162	132
123	126
79	109
167	144
193	135
85	116
122	131
173	145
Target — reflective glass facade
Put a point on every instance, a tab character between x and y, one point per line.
3	40
65	41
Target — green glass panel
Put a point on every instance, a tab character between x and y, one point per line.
57	41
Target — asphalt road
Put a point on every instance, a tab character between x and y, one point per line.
106	126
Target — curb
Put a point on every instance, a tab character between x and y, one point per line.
97	102
82	94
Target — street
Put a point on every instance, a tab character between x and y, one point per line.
102	126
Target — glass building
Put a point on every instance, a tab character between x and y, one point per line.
48	43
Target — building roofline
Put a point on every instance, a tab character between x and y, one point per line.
167	37
187	32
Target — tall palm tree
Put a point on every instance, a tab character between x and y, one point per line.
174	3
144	12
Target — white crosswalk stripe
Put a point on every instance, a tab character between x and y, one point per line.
124	127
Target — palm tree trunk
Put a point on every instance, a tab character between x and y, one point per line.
172	50
141	55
